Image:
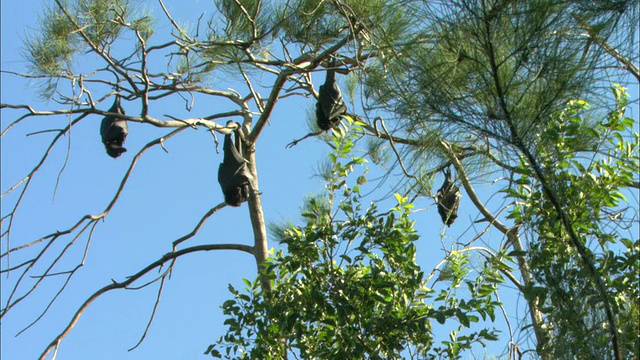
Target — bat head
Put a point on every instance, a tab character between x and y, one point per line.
114	150
237	195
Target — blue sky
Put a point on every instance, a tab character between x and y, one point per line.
163	200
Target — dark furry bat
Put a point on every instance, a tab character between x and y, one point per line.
448	200
233	175
330	106
114	130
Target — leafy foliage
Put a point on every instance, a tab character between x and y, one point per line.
51	51
589	164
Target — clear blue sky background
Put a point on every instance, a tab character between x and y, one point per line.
163	200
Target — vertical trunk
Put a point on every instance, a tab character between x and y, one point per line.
260	246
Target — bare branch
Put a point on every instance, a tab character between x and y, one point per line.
29	178
133	278
10	304
70	274
393	146
195	230
91	218
33	112
153	312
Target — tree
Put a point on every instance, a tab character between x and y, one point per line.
591	188
349	285
361	269
479	86
487	88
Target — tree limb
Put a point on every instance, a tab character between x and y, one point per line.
130	280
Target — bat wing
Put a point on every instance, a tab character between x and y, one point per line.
113	130
233	173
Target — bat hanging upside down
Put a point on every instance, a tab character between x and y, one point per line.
114	130
330	106
448	200
233	174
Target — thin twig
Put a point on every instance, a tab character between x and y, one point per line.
153	312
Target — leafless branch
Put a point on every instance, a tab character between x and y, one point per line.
130	280
153	312
195	230
10	303
29	178
393	146
67	280
54	236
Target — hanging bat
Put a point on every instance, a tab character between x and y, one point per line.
114	130
448	199
233	175
330	106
